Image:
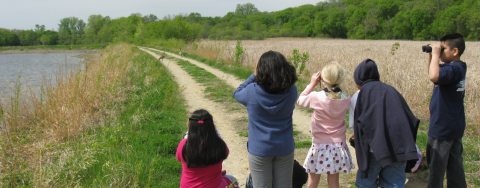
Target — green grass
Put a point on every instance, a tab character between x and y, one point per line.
238	70
303	144
53	47
136	149
216	89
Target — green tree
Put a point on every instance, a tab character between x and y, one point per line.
45	39
71	30
139	34
150	18
39	28
8	38
355	25
96	23
332	23
246	9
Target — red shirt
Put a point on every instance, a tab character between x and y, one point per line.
207	176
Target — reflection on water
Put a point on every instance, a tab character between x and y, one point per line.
32	68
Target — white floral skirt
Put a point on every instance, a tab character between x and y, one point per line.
328	158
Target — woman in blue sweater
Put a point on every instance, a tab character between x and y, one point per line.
270	95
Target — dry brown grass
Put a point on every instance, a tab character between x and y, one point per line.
406	70
31	125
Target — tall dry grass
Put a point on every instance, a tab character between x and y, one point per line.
406	70
33	125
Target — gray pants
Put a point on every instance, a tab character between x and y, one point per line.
445	156
267	170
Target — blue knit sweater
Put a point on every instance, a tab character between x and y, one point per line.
270	127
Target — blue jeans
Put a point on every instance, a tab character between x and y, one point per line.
233	179
392	175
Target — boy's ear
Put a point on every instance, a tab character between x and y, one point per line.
455	52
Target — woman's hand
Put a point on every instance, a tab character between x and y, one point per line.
316	78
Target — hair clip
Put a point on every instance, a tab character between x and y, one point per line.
200	122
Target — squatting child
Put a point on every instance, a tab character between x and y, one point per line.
202	154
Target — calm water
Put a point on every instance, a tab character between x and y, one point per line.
32	68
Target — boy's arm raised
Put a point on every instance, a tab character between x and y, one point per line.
434	66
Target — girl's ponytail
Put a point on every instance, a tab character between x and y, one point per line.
333	75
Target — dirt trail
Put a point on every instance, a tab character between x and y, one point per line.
237	162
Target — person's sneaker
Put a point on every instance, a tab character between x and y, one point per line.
249	183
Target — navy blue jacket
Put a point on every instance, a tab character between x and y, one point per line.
383	122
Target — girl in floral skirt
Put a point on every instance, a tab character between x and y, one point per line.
329	153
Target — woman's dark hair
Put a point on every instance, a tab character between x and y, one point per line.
274	73
203	146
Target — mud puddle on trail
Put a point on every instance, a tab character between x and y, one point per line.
227	120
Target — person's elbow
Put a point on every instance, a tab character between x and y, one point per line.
434	78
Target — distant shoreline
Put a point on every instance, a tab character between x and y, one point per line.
45	51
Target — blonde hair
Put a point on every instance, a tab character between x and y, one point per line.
333	75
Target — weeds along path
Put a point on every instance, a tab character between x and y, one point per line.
237	162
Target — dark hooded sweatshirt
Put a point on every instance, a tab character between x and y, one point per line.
383	121
270	127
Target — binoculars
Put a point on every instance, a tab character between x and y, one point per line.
428	49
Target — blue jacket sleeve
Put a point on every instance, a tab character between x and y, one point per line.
241	94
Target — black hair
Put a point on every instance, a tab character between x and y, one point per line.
203	146
274	73
454	40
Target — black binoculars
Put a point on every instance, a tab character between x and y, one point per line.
428	49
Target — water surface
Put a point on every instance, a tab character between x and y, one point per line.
31	69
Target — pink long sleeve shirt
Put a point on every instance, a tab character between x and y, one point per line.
328	117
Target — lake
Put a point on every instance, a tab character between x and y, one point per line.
32	69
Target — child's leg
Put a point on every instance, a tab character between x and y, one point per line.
261	170
282	171
313	180
437	159
455	171
333	180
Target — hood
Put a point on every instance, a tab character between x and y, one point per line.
366	71
272	103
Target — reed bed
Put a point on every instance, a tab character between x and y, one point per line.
32	125
405	69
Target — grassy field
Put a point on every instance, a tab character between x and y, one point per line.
115	124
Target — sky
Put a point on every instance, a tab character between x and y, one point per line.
24	14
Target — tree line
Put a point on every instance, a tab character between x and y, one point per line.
352	19
349	19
